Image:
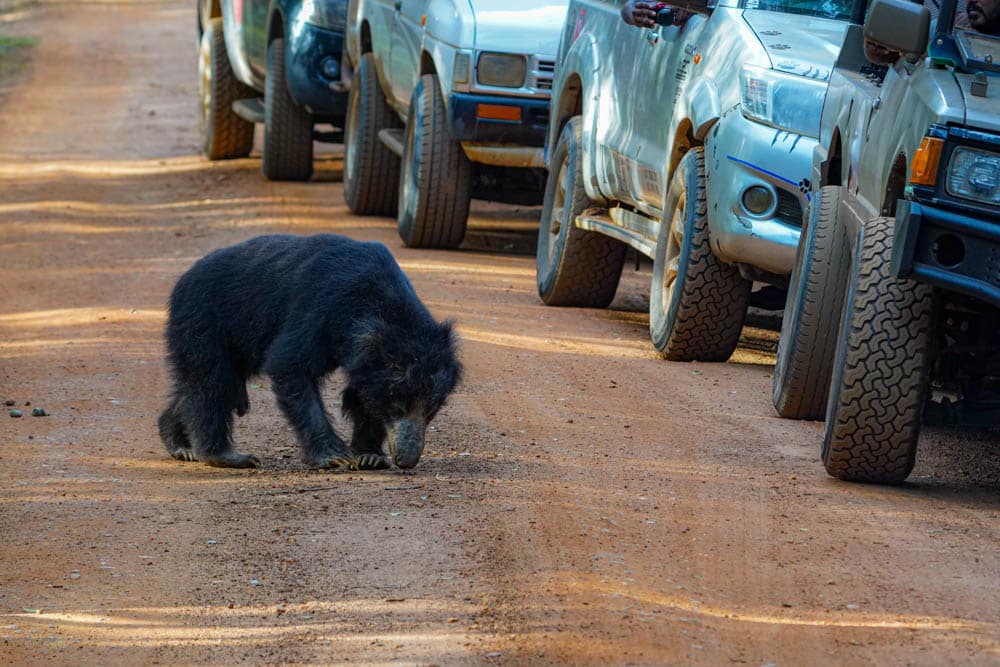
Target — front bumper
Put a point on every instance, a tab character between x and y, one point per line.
468	124
307	84
740	154
948	249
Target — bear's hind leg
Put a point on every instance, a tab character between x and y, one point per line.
173	433
208	408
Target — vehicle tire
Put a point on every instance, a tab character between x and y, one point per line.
575	267
881	372
809	327
697	303
288	128
224	135
371	170
435	185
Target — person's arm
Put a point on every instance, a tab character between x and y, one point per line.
640	13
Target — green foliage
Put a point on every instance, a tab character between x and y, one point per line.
14	53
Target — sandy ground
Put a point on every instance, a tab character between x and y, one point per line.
580	501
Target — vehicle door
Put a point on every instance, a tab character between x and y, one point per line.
656	78
251	21
621	47
405	51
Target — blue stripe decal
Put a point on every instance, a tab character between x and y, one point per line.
769	173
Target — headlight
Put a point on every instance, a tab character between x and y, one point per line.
785	101
975	174
325	13
501	69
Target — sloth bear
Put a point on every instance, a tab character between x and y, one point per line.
296	309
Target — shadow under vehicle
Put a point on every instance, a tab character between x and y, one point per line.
275	62
892	316
691	143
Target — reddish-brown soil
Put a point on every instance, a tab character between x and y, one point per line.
580	501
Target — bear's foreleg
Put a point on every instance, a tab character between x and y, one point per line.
300	400
368	434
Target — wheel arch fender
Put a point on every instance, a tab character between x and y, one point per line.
233	35
704	107
576	70
277	22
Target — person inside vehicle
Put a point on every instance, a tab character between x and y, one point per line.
642	14
984	16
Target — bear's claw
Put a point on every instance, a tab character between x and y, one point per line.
371	462
184	455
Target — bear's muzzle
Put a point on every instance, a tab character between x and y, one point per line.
406	441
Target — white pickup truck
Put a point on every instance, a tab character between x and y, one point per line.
444	94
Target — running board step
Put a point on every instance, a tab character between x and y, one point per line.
250	110
393	140
631	228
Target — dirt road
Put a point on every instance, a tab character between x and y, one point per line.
580	501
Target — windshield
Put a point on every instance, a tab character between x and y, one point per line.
831	9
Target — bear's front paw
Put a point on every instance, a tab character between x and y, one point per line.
332	461
371	462
232	459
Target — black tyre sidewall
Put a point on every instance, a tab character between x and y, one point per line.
684	181
435	212
224	135
288	129
408	199
371	170
791	342
566	155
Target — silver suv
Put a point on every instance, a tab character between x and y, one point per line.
692	144
457	90
895	298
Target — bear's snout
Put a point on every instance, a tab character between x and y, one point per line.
406	441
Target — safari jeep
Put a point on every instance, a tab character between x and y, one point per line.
692	144
275	62
894	300
455	93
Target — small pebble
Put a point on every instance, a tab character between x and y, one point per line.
16	413
39	412
8	403
254	582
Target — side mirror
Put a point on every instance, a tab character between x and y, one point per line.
898	26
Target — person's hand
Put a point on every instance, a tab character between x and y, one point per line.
878	54
640	14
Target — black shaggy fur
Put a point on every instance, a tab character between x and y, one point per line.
296	309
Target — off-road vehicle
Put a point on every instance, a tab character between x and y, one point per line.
449	99
276	62
691	143
892	316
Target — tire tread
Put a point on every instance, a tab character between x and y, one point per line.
878	395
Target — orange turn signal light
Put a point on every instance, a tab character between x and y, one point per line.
925	162
498	112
